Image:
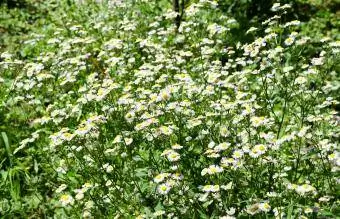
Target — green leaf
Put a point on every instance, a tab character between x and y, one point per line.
4	175
202	214
7	147
159	207
141	173
290	211
206	204
326	213
36	167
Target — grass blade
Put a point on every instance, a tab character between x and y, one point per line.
7	147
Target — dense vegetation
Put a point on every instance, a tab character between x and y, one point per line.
147	109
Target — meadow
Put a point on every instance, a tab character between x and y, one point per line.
151	109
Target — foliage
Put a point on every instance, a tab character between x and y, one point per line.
108	110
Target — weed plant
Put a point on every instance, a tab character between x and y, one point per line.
120	114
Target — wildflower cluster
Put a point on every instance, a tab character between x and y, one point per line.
136	117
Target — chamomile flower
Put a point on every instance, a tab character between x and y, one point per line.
158	213
160	177
275	7
258	121
176	147
289	41
301	80
222	146
253	209
265	207
237	154
258	150
225	162
211	188
67	136
224	131
173	156
177	176
66	199
164	95
325	198
163	189
81	131
305	189
165	130
318	61
212	169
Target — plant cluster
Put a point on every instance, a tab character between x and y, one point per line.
126	115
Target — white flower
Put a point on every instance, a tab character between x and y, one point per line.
227	187
252	29
265	207
325	199
258	121
253	209
66	200
292	23
238	154
67	136
61	188
117	139
289	41
176	147
231	211
177	176
224	131
160	177
128	141
86	214
308	210
305	188
165	130
164	95
79	196
211	188
163	189
83	130
158	213
109	169
258	150
108	183
227	217
215	28
318	61
212	169
171	14
223	146
173	156
174	167
275	7
228	161
287	69
130	116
